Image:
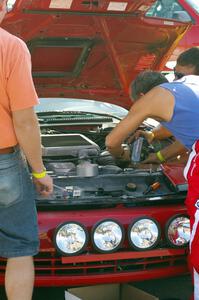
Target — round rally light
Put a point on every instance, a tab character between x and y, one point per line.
70	238
144	234
107	236
178	231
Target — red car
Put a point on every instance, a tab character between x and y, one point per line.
106	222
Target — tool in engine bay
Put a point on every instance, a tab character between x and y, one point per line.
69	191
64	190
136	150
153	187
140	149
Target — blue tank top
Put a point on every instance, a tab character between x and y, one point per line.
184	124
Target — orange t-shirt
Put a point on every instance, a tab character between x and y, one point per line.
17	90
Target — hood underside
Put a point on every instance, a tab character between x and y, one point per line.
91	49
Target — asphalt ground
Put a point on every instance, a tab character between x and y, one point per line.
175	288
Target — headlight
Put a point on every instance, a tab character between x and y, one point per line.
107	236
144	234
178	231
70	238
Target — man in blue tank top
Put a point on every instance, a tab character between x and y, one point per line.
187	64
176	106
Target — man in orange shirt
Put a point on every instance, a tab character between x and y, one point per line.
19	130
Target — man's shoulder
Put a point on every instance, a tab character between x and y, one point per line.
162	90
11	40
4	34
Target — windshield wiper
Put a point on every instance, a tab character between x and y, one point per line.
72	116
76	113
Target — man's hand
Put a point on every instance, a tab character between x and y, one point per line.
151	159
126	155
125	160
44	186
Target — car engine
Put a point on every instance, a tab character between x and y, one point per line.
86	174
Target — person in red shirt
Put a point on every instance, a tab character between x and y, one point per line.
19	142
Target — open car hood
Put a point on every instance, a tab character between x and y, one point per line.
92	49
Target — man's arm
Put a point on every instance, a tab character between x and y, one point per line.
169	152
173	150
158	133
161	132
150	105
28	136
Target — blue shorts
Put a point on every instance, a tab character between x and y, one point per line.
18	215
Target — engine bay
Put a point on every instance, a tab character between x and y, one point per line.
73	134
84	173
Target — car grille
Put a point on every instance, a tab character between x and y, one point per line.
52	264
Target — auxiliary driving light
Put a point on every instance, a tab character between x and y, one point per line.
107	236
144	233
70	238
178	231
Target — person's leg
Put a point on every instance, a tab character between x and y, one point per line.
19	278
19	238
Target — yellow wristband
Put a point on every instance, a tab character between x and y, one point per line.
160	156
39	175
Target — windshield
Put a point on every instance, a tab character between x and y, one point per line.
194	4
169	9
80	105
